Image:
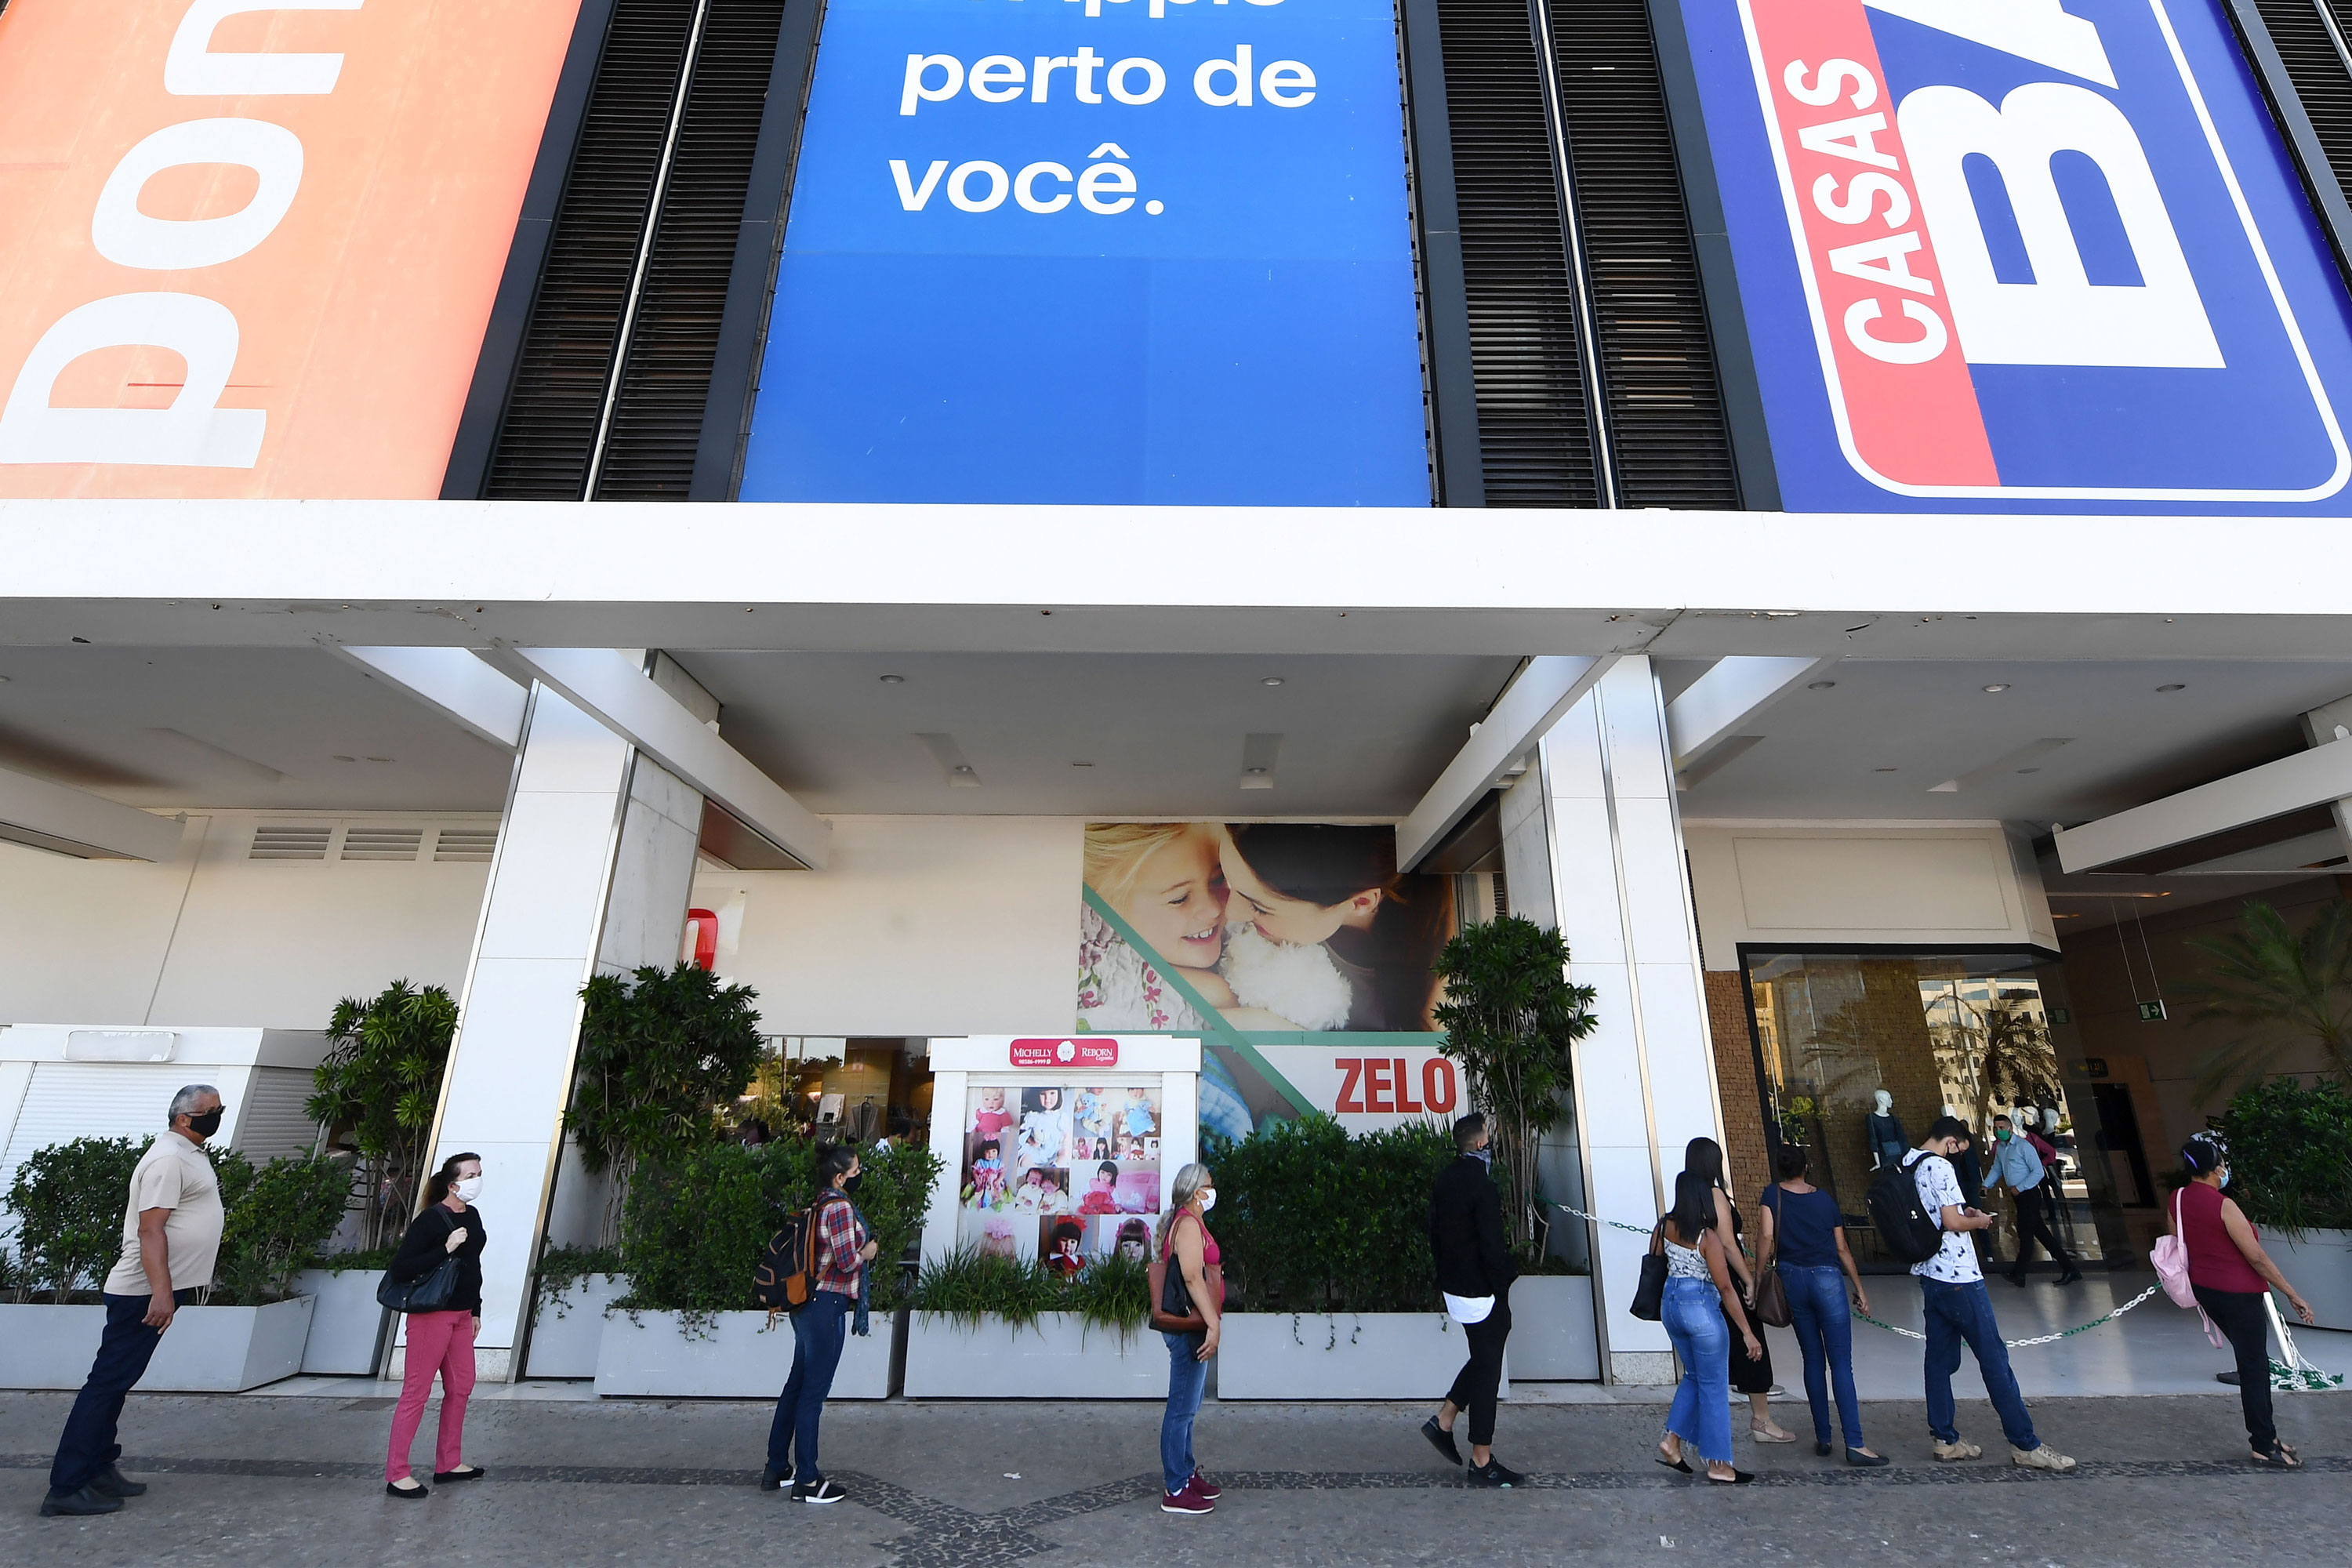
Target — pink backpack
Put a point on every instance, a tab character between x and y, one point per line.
2171	1256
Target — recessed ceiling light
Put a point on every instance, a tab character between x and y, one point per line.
1271	681
2175	686
2029	770
1255	773
340	758
379	759
894	680
1082	764
1882	770
1819	685
1998	686
963	767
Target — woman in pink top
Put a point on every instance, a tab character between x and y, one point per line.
2231	1275
1193	1252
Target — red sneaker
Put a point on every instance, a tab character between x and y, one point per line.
1187	1501
1203	1487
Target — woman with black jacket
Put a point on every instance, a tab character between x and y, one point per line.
450	1229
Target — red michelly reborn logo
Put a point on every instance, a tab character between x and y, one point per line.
1065	1052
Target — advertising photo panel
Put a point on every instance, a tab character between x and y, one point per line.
1045	1135
998	1234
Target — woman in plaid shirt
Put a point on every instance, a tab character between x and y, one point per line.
843	1251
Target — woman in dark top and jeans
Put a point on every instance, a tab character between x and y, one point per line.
1803	1227
440	1341
2231	1275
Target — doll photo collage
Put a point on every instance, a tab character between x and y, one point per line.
1063	1174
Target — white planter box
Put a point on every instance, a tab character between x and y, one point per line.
1055	1358
568	1335
347	1327
737	1357
1552	1339
207	1349
1346	1355
2320	1265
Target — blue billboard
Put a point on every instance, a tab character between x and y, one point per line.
2003	255
1098	251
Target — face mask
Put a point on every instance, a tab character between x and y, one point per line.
849	1184
1484	1156
2225	1177
1208	1199
2001	1134
470	1189
207	1124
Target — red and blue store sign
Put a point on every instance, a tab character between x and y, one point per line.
2000	255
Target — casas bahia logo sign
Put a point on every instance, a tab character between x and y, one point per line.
2005	251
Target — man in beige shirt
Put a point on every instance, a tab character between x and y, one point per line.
171	1239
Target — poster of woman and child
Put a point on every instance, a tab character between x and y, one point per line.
1059	1172
1232	929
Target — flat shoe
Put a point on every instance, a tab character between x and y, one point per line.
1862	1461
406	1494
462	1473
1738	1479
1682	1464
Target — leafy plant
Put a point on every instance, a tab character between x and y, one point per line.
1311	1220
382	1079
280	1215
366	1261
659	1054
968	1286
1112	1292
68	1200
2294	989
561	1269
1512	1019
2291	1155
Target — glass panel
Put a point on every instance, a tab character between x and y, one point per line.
1927	1031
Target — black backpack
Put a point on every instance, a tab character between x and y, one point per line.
787	1275
1908	1231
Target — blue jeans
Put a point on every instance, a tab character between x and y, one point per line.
1701	1416
1824	1326
816	1351
1188	1380
124	1349
1958	1313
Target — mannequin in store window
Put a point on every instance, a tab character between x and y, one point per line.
1887	1140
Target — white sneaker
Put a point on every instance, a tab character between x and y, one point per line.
1957	1448
2045	1458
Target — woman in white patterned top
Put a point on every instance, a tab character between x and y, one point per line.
1696	1281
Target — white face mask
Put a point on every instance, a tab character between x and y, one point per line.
470	1189
1208	1199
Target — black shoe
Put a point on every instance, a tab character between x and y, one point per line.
89	1500
1493	1474
2229	1377
1442	1440
817	1490
1821	1449
2016	1278
773	1478
112	1482
1862	1461
409	1493
1738	1479
462	1473
2072	1277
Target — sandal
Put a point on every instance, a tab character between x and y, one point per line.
2278	1458
1768	1434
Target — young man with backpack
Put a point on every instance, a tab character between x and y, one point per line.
823	1254
1953	1298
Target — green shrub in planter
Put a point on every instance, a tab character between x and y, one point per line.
968	1286
282	1213
1312	1220
68	1200
2291	1155
696	1226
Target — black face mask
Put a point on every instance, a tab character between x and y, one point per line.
850	1184
207	1124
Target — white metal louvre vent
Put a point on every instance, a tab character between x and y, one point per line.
470	845
381	843
291	841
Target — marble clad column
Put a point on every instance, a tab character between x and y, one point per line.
1646	1077
595	859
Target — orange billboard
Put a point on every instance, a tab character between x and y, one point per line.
249	247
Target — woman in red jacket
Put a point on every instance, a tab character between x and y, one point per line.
2232	1274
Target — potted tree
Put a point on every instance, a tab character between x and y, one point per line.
1512	1018
2291	1171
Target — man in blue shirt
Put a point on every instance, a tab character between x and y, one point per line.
2016	1165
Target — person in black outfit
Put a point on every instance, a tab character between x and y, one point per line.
1475	1270
440	1341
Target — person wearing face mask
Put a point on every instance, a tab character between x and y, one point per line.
844	1249
1475	1270
1191	1252
2018	1164
171	1239
2232	1275
441	1341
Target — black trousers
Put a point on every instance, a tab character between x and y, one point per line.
2033	1225
124	1349
1480	1380
2239	1315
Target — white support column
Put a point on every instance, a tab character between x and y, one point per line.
1646	1077
594	857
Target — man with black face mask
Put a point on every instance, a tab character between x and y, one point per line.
1475	1270
171	1238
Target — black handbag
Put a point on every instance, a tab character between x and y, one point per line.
430	1292
1650	1295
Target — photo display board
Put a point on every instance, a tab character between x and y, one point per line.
1098	251
1058	1148
2006	255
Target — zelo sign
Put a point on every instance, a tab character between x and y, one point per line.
1098	251
2003	253
247	248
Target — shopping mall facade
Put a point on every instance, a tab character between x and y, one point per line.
1825	502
